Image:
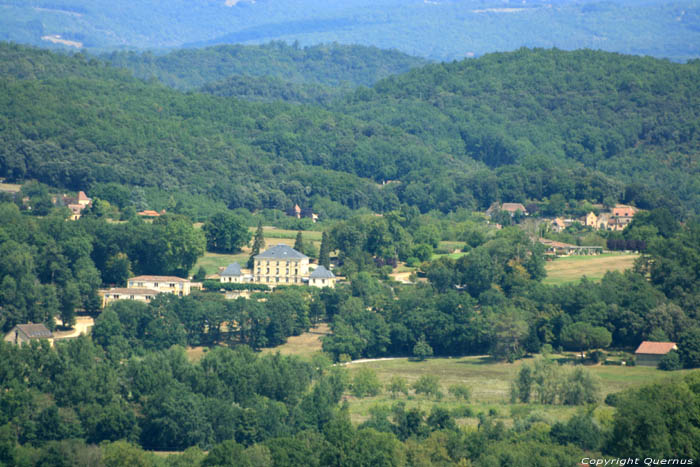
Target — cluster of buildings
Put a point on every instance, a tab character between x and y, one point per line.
76	204
280	265
305	213
616	219
145	288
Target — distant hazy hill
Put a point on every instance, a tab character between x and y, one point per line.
512	126
328	65
438	29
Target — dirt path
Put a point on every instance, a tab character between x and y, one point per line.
83	325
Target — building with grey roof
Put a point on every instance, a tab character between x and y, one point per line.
280	265
321	277
25	332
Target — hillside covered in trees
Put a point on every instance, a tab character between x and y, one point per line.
329	65
442	30
511	127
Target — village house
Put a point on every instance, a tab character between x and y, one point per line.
511	208
23	333
138	294
650	353
165	284
620	216
322	277
76	204
234	274
591	220
557	225
300	213
145	288
280	264
150	214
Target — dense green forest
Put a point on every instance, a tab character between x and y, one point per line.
332	65
511	127
442	30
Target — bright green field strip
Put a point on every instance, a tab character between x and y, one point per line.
213	261
273	232
573	268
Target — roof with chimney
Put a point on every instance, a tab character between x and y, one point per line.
281	251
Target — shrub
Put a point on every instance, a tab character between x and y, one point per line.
428	385
460	391
598	356
365	383
670	362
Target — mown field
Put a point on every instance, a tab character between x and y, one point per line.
573	268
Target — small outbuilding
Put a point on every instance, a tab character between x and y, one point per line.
650	353
25	332
232	273
322	277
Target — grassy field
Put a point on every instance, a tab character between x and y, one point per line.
10	187
274	232
213	261
489	382
573	268
304	345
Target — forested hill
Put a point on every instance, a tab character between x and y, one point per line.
328	65
439	29
637	119
510	127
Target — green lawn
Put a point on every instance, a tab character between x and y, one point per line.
213	261
274	232
572	268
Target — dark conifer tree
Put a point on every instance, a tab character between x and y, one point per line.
258	244
324	255
299	243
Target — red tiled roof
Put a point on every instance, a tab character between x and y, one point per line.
513	207
655	348
82	196
149	213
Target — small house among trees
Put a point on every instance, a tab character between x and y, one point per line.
650	353
23	333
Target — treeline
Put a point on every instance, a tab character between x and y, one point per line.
456	143
330	65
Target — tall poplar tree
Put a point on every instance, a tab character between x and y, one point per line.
299	243
324	255
258	244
